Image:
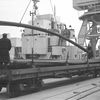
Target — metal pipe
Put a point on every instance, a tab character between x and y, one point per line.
6	23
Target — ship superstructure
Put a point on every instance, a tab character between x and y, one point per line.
46	46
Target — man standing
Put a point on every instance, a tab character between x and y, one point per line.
90	51
5	46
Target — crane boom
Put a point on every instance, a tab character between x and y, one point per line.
6	23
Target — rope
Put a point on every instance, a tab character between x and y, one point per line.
51	6
25	11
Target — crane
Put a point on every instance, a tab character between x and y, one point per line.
91	21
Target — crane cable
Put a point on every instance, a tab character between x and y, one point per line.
51	6
25	11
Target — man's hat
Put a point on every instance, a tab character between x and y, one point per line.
4	34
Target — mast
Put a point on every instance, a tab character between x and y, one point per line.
33	14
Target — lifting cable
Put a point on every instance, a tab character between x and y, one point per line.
51	6
25	11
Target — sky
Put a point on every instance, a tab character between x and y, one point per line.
12	10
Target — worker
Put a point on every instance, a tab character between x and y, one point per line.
5	46
90	51
65	33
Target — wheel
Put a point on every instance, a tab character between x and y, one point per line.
38	84
0	88
95	75
13	89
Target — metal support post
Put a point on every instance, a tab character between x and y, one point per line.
33	13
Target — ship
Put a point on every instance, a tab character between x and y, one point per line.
44	49
41	48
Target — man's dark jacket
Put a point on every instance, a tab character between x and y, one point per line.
5	46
